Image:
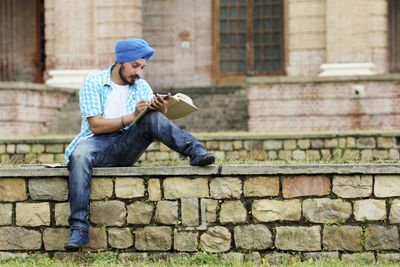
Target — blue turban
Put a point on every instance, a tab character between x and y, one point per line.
131	49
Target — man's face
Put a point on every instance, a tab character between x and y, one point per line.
132	71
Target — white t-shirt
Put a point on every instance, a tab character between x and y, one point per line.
116	101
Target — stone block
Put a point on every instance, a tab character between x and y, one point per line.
129	187
175	188
305	186
120	238
325	210
225	145
313	155
216	239
351	155
394	216
37	148
364	257
260	186
272	144
378	237
380	154
55	238
23	149
212	145
272	155
153	238
11	148
12	189
98	239
304	143
386	142
320	256
190	211
237	144
9	255
140	212
166	212
352	186
387	186
154	189
54	148
232	212
284	259
350	142
276	210
48	189
185	241
317	143
330	143
366	142
394	154
370	210
211	209
102	188
108	213
18	238
162	156
61	214
388	257
252	237
6	211
298	238
225	187
299	155
344	238
2	148
32	214
285	154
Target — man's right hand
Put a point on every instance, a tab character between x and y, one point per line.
140	106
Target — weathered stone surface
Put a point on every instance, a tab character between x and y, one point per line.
190	211
183	187
226	187
32	214
48	189
387	185
98	239
388	257
9	255
12	189
252	237
234	257
366	142
272	144
216	239
120	238
232	212
259	186
299	154
6	214
364	257
276	210
102	188
62	212
166	212
370	210
185	241
211	209
55	238
298	238
325	210
348	238
18	238
153	238
140	212
305	186
154	189
320	256
129	187
108	213
394	216
352	186
379	237
276	258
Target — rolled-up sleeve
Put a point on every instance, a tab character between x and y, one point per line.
90	98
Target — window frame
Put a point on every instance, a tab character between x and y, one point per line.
393	36
239	78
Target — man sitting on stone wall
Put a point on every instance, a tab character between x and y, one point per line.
110	100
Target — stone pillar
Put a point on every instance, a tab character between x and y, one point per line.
80	36
348	46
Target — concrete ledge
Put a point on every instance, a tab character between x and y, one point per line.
214	170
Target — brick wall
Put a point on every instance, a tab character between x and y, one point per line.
317	104
316	211
345	147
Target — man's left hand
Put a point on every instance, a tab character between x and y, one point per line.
160	103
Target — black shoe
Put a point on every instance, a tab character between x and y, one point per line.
78	238
202	160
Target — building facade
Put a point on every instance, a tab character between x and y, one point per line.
257	65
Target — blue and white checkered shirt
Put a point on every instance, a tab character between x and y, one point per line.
92	98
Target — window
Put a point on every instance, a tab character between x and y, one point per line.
248	38
394	35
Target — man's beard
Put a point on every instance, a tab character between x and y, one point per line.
125	79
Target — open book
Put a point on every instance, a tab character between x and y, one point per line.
179	106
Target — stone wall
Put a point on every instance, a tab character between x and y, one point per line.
312	147
308	211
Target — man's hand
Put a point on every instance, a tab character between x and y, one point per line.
140	106
160	103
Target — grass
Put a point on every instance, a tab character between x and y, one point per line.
110	259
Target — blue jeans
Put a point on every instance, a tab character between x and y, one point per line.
122	148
